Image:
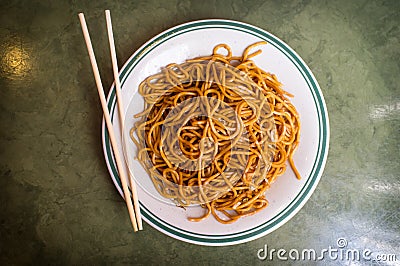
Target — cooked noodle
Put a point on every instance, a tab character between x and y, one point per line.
216	131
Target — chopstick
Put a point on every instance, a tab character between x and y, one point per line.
107	118
121	110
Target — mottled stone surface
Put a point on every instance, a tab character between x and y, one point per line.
58	205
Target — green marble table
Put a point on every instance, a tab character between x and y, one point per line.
58	205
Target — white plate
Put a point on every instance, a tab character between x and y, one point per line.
287	195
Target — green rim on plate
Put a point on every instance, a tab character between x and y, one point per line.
318	163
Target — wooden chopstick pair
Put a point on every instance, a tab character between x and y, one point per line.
134	209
